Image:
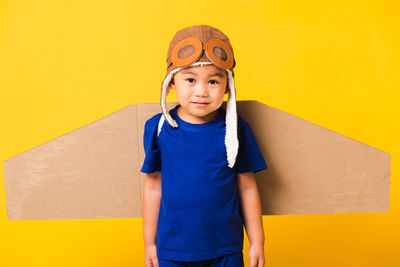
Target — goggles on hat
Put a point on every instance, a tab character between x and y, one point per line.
191	49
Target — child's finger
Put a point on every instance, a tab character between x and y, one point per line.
253	262
155	262
261	262
148	262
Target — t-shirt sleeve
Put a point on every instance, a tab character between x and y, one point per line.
152	160
249	158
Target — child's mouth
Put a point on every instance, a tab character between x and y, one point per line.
198	104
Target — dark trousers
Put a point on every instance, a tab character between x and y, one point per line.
231	260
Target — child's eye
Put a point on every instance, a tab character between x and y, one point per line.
190	80
214	81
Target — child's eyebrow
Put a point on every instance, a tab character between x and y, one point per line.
219	74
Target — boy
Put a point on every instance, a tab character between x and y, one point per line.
207	158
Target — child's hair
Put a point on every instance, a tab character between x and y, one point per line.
200	45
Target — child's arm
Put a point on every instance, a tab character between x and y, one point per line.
251	209
151	207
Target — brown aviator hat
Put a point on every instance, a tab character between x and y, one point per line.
200	45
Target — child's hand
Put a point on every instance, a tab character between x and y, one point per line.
256	254
150	256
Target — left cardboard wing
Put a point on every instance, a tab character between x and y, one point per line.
94	171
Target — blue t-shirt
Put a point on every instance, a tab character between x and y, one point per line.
199	215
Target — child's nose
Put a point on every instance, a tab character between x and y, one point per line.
201	89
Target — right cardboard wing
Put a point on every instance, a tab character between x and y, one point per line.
312	169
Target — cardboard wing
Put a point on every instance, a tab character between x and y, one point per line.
94	171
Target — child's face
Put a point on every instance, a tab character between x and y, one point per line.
199	84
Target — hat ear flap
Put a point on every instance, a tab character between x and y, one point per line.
163	100
231	131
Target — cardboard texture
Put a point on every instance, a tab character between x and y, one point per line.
94	171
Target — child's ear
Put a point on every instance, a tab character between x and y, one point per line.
227	89
227	86
172	84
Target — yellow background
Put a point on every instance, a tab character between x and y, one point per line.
65	64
